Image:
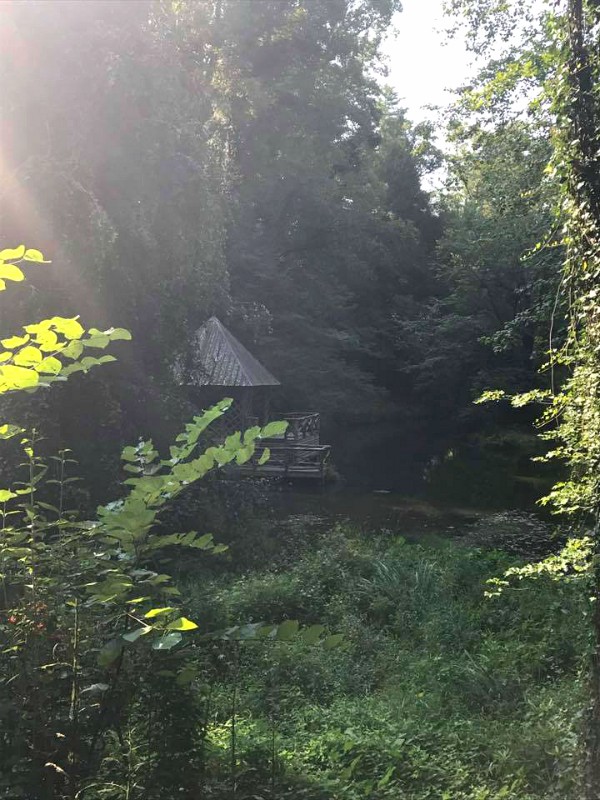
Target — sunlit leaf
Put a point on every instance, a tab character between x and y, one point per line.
12	254
34	255
181	624
49	365
69	327
28	357
155	612
13	377
15	341
10	272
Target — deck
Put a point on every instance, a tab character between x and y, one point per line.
297	454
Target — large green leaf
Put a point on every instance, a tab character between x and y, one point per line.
15	341
13	378
27	357
181	624
287	630
335	640
312	634
34	255
156	612
9	272
133	636
12	254
110	653
167	642
274	429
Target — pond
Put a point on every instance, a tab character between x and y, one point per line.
411	517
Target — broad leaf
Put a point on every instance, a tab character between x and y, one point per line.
181	624
156	612
167	642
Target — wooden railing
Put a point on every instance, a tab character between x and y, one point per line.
294	461
302	425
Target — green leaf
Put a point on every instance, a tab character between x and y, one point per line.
335	640
312	634
204	542
133	636
274	429
181	624
287	630
73	350
9	272
244	454
48	341
386	778
116	334
129	454
110	653
6	495
167	642
12	254
68	326
34	255
132	468
187	675
8	431
12	378
155	612
15	341
49	365
100	341
28	357
264	456
251	434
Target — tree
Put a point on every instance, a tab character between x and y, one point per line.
123	185
570	93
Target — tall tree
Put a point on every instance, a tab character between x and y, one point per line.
329	223
570	95
111	162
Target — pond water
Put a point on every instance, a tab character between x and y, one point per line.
410	517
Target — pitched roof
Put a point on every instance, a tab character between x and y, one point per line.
217	358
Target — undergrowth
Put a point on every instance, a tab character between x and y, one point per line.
437	693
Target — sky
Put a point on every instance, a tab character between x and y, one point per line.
422	65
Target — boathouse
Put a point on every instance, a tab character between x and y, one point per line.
218	365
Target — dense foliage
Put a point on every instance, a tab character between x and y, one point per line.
180	159
436	692
243	159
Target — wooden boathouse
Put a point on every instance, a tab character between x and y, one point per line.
219	365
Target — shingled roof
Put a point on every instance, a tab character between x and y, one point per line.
217	358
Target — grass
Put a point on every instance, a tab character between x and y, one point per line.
437	693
